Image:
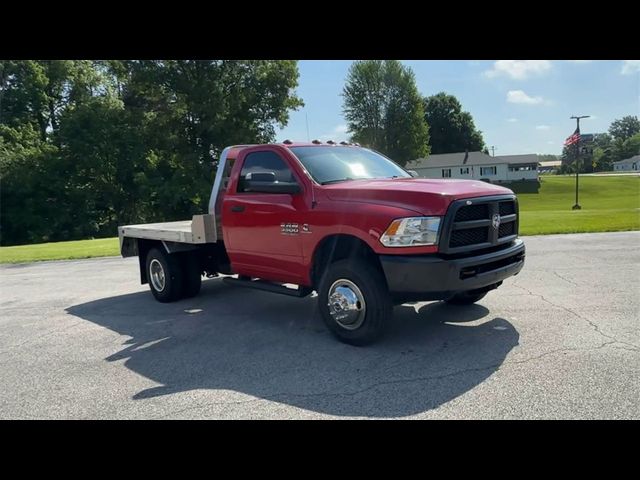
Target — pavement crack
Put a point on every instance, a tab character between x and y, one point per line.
283	395
529	292
565	279
280	397
593	325
569	349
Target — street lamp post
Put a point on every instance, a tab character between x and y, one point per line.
577	205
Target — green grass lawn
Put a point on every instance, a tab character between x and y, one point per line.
102	247
609	204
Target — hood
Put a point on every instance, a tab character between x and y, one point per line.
423	195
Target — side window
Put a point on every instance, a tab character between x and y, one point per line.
260	162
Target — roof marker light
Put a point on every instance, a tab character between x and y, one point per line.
316	142
287	142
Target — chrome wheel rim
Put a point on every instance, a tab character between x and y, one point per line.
156	274
346	304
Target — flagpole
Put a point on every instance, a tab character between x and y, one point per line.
577	205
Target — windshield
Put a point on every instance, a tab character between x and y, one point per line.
336	164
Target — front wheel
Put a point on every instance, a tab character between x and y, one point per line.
354	301
465	298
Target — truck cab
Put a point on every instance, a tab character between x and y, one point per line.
342	220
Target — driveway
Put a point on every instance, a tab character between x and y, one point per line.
82	339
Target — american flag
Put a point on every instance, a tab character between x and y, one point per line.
575	138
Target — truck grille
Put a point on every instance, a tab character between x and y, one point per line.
506	229
469	236
472	212
472	226
507	208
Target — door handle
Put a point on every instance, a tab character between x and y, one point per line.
237	208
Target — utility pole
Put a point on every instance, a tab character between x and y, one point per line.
577	205
493	151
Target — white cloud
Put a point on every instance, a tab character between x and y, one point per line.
512	120
580	61
542	127
518	96
518	69
630	66
338	134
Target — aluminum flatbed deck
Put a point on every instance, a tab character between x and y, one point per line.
200	229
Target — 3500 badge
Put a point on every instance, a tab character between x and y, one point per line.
289	228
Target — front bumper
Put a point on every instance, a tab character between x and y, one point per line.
433	277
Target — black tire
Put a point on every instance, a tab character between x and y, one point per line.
465	298
192	275
377	311
172	270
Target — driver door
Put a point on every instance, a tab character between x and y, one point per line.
258	227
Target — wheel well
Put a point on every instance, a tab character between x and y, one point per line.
338	247
144	246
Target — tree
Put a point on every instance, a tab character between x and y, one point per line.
603	154
88	145
451	130
384	110
628	148
624	127
193	109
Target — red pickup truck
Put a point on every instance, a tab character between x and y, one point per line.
339	219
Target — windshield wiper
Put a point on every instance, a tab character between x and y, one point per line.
329	182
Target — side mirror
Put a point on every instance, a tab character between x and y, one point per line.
269	177
413	173
265	182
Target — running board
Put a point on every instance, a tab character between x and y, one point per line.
269	287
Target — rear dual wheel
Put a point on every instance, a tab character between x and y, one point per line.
172	277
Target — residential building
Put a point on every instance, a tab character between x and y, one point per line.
627	165
478	166
549	166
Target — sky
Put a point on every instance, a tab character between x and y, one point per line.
521	106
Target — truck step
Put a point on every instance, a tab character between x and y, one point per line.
269	287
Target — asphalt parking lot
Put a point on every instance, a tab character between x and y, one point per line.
82	339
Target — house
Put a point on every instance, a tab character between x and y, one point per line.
478	166
549	166
628	165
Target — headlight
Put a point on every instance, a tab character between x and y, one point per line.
412	232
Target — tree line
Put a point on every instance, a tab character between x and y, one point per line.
87	145
622	141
